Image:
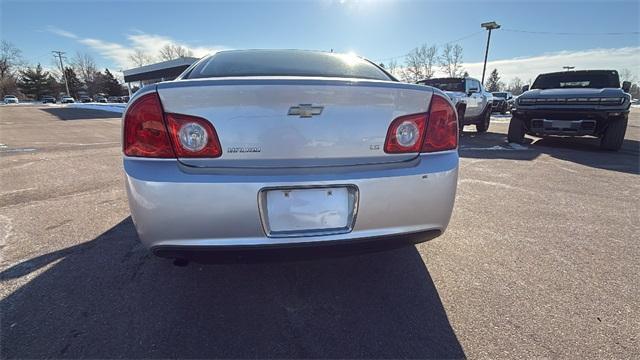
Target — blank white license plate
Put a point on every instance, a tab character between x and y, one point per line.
561	124
307	209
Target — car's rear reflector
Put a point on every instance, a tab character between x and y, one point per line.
145	134
193	136
405	134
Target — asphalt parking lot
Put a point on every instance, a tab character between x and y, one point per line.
541	259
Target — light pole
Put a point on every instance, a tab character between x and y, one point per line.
489	26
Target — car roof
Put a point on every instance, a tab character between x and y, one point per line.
580	72
443	78
449	78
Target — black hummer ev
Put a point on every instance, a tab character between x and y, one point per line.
574	103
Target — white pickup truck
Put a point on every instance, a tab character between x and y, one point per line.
473	103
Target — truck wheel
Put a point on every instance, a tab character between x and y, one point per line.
483	126
516	131
461	110
614	135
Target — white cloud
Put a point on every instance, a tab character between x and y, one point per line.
115	52
120	53
61	32
529	67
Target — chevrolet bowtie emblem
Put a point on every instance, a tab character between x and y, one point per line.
305	110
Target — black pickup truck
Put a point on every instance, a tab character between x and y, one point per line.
574	103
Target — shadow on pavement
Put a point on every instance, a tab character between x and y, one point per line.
80	114
110	298
584	151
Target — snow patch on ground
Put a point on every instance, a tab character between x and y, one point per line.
22	103
112	107
501	119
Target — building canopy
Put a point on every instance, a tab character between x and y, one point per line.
166	70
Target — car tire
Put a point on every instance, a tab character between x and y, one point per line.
485	119
516	131
614	135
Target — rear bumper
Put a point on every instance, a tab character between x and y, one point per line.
295	251
178	208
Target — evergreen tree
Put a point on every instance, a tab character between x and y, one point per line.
75	85
493	82
35	82
111	85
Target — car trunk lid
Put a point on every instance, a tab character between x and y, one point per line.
296	122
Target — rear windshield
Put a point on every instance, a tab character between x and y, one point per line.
445	84
285	63
578	79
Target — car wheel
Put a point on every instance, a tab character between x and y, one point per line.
483	126
516	131
614	135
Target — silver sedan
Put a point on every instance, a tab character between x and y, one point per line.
260	148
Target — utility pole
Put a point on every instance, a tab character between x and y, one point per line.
64	74
492	25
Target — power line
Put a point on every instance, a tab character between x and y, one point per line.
571	33
64	74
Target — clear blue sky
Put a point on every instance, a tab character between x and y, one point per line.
377	30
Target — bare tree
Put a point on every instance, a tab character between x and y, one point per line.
84	66
451	60
515	86
10	59
174	51
627	75
392	68
11	62
419	63
140	58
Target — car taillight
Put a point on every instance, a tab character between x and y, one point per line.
442	126
405	134
193	136
145	134
436	130
149	132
